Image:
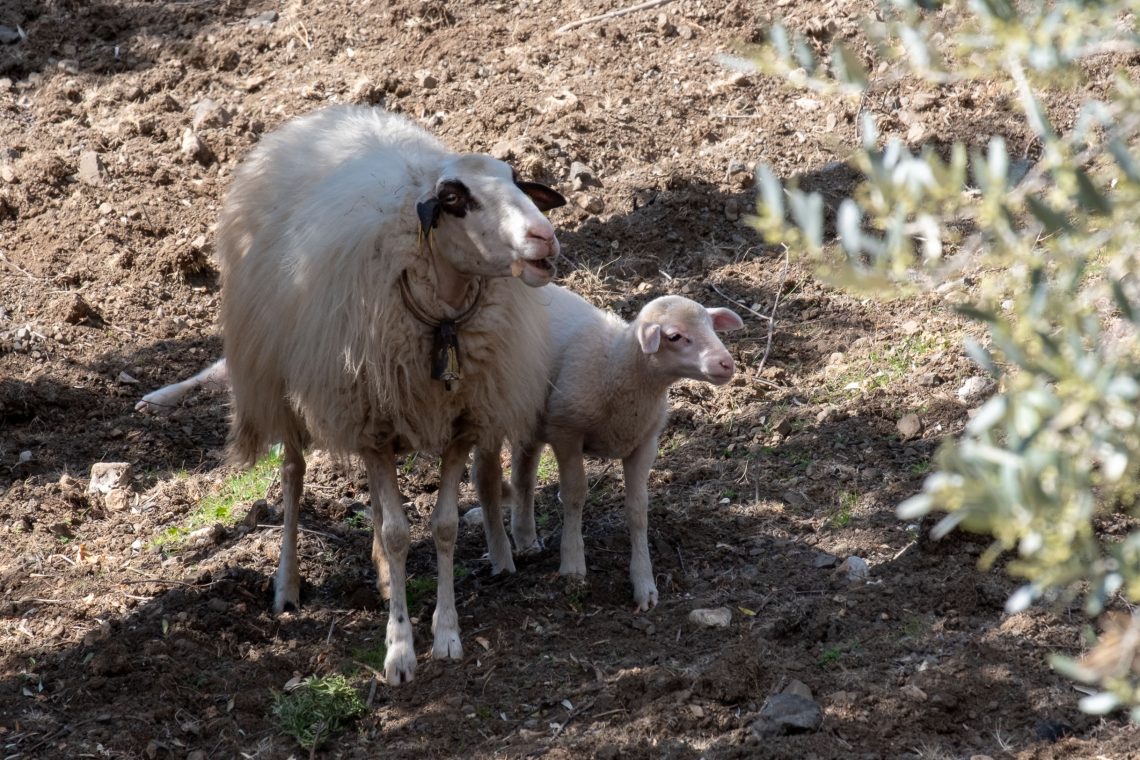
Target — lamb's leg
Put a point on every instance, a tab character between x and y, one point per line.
379	558
572	493
444	527
524	471
169	395
488	477
287	586
637	466
400	661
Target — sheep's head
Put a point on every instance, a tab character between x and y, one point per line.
680	335
484	221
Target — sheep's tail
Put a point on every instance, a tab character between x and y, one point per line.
248	441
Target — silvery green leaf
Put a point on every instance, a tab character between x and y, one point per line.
848	68
1099	704
847	224
1091	199
988	415
771	192
1072	669
914	507
1020	599
947	524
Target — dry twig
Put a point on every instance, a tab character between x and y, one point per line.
611	14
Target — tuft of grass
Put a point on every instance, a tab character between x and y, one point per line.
359	521
841	518
547	466
316	709
219	506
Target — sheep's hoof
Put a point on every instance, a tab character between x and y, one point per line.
286	600
646	599
447	646
400	663
535	546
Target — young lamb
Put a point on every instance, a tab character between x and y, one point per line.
609	398
375	300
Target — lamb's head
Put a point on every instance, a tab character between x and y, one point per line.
484	221
680	337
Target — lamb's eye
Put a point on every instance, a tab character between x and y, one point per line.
673	338
449	198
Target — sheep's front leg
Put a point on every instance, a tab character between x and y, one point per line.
572	493
287	584
636	468
392	526
444	527
488	476
375	488
524	475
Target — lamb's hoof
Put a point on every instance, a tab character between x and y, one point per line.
528	549
447	646
646	599
400	663
286	600
502	563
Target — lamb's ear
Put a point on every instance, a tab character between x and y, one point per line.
649	336
725	319
544	197
428	211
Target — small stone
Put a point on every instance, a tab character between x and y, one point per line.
930	379
591	204
8	173
217	605
11	35
68	66
473	517
507	150
126	379
25	456
665	26
975	388
736	166
732	209
797	687
686	32
645	625
106	208
197	754
366	92
264	20
91	169
208	114
582	176
117	500
211	534
909	427
854	569
718	617
796	500
913	693
787	714
426	80
193	147
822	560
562	101
107	476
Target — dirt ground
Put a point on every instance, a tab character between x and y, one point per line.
112	645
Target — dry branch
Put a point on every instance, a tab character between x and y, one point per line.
611	14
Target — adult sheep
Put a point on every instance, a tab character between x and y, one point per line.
369	308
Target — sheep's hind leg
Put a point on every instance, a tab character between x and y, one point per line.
287	585
444	527
637	467
488	476
392	524
524	470
572	492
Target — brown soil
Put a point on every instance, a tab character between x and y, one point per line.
110	647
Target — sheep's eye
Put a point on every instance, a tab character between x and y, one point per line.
449	198
673	338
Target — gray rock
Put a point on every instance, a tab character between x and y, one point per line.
854	569
798	687
264	20
909	427
582	176
193	147
208	114
823	560
665	26
11	35
426	80
591	204
473	517
787	714
732	209
91	168
718	617
975	389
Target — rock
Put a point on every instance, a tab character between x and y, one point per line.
193	147
591	204
425	80
126	379
644	624
68	66
909	427
107	476
787	714
854	569
118	500
258	513
473	517
736	166
8	173
718	617
797	687
930	379
264	20
507	150
11	35
197	754
365	92
582	176
975	389
822	560
25	456
913	693
208	114
564	101
91	169
686	32
665	26
211	534
732	209
796	500
217	605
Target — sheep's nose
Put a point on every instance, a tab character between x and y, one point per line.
727	365
545	233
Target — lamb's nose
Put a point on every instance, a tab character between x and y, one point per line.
545	233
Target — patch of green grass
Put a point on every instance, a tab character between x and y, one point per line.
920	468
419	589
832	655
359	521
841	518
547	466
317	709
219	507
373	657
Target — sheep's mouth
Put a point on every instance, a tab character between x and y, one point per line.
533	271
719	378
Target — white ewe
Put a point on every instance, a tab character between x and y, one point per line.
609	398
368	308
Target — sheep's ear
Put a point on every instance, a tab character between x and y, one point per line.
428	212
544	197
649	336
725	319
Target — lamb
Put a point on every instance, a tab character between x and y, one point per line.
609	398
375	300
